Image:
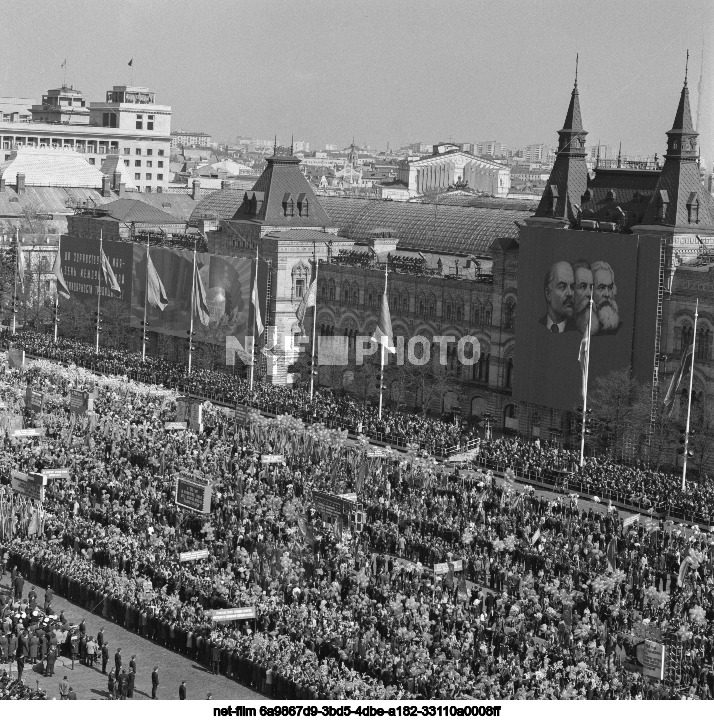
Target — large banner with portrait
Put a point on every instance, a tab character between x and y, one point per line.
226	281
227	284
558	272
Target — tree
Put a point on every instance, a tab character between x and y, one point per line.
612	412
75	319
659	429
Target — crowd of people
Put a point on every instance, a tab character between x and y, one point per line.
548	463
458	585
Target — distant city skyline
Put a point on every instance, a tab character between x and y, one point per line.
383	73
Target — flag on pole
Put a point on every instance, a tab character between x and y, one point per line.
199	300
156	295
62	288
612	554
677	378
256	303
108	274
383	332
535	537
583	359
21	270
308	301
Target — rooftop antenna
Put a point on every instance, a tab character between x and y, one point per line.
275	145
292	143
597	159
619	156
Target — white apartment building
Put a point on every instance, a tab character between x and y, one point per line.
189	138
128	123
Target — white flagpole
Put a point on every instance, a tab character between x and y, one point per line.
585	385
146	297
18	250
99	289
689	402
254	298
56	314
381	352
314	327
193	292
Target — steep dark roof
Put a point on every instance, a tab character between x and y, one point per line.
613	192
281	179
425	227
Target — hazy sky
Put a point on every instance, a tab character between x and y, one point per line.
382	71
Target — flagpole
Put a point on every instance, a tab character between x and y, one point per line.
255	318
314	325
146	296
193	292
18	250
99	289
585	383
56	314
381	352
689	401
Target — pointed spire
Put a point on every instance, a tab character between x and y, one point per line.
686	68
573	120
292	143
619	155
275	145
683	118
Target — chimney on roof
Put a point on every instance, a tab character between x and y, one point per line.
195	189
122	189
2	185
116	180
105	186
20	183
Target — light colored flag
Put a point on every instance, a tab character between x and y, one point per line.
535	537
108	274
611	554
156	295
256	303
583	359
199	300
62	288
383	332
21	269
308	301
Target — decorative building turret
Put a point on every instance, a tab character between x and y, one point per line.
569	178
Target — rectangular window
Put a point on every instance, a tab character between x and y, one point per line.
161	163
148	176
149	151
299	287
149	124
161	152
149	163
139	125
138	151
105	119
127	151
137	176
127	163
137	163
92	161
160	176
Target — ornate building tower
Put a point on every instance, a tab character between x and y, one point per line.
569	178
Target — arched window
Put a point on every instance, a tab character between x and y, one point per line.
432	306
487	314
476	313
447	313
703	344
509	373
509	318
331	289
322	291
687	333
346	295
422	306
355	293
459	310
405	303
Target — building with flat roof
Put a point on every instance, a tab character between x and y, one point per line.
128	123
189	138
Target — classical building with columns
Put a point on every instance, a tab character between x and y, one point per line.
450	166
